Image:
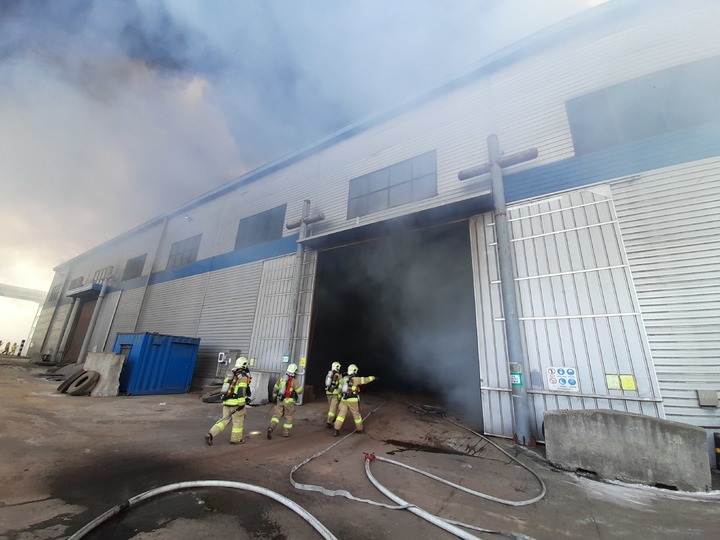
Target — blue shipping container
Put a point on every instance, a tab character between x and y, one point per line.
156	364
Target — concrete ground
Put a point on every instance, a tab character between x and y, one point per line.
65	460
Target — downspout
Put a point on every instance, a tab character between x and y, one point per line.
150	272
93	320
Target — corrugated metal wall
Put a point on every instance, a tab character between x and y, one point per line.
271	318
671	226
577	308
126	315
173	307
100	336
267	345
228	308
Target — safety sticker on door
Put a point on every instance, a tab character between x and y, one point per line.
562	379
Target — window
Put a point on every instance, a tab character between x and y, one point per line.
662	102
262	227
184	252
54	293
102	274
409	181
134	267
75	283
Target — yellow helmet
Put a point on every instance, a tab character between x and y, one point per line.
352	369
336	366
292	370
241	363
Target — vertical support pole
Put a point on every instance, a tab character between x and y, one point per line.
295	291
513	337
93	320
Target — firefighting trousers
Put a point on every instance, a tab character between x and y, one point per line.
354	408
237	419
333	403
283	409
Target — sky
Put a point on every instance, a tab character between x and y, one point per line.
113	112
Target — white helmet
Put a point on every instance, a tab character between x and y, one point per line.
336	366
241	363
292	370
352	369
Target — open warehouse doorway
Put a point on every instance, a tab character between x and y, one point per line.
402	308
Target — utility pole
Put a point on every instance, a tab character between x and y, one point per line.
513	337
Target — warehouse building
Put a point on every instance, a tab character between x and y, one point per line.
367	247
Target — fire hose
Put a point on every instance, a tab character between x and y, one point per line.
307	516
448	525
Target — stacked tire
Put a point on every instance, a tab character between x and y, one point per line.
80	383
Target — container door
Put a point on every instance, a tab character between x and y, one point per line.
180	366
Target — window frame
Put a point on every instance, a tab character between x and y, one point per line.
260	228
405	182
184	252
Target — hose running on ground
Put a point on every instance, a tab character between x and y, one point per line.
543	489
445	524
307	516
338	492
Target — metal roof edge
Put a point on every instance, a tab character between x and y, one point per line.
524	48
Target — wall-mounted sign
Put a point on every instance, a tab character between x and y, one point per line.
562	379
516	379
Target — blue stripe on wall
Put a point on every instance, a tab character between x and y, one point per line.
663	151
276	248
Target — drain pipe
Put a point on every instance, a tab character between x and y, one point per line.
93	320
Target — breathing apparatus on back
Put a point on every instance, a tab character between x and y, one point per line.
332	379
241	369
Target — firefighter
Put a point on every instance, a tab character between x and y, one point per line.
332	391
236	388
350	398
285	395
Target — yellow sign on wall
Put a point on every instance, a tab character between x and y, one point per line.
628	382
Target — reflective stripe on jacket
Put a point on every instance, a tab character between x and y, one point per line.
239	391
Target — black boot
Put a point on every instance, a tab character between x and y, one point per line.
337	432
269	433
208	439
329	425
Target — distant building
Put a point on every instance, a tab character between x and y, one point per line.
615	236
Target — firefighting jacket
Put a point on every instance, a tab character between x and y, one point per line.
238	391
287	389
349	390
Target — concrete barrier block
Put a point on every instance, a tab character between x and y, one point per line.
629	447
109	366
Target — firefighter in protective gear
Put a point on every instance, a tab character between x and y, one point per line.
236	392
285	395
332	391
350	398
